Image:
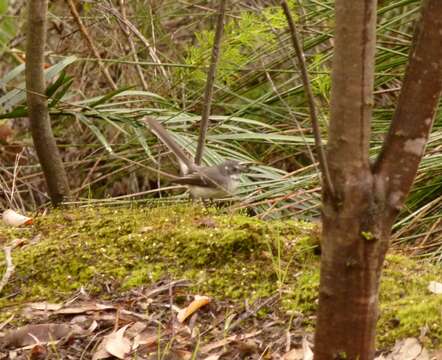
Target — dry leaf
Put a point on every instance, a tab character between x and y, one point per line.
101	352
196	304
84	308
146	339
118	345
183	354
217	344
114	344
435	287
213	357
408	349
135	329
305	353
12	218
27	335
437	355
308	353
44	306
295	354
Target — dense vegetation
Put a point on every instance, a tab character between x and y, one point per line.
260	111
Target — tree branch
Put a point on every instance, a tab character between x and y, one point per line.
352	97
311	101
210	82
404	146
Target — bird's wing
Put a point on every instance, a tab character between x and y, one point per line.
204	177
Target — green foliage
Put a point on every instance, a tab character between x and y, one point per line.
8	27
241	38
259	94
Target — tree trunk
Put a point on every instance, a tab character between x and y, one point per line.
357	220
41	130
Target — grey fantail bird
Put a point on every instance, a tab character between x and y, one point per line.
204	182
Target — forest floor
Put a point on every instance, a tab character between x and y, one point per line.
187	282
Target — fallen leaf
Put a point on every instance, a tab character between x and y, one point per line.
145	339
12	218
84	308
435	287
437	355
101	352
304	353
214	357
306	347
408	349
118	345
295	354
115	344
135	329
183	354
45	306
196	304
28	334
217	344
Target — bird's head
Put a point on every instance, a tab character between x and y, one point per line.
232	167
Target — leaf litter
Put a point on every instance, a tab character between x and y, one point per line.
149	323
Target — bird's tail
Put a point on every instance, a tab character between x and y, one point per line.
184	161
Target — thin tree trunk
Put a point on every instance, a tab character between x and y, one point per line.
41	130
357	221
208	95
350	264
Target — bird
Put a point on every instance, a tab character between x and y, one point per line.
204	182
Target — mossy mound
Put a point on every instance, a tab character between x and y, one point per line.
228	256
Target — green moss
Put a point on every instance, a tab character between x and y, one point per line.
228	256
92	247
407	307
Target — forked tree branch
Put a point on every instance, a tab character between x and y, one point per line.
208	95
404	145
311	101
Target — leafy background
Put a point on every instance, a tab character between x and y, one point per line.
259	111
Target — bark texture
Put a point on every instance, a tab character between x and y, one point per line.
357	219
41	130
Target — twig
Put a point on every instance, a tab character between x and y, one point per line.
311	102
9	267
140	36
92	47
210	82
248	313
14	181
126	32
